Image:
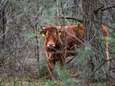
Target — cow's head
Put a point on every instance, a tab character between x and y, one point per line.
51	34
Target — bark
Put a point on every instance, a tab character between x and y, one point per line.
111	10
92	21
2	23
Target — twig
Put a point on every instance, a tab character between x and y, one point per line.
104	61
97	10
68	17
103	9
108	8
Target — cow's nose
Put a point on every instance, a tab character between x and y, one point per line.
51	45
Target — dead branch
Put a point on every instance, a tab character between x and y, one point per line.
103	9
68	17
97	10
107	8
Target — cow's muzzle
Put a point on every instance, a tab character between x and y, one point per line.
51	47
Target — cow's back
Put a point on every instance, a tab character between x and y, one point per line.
74	34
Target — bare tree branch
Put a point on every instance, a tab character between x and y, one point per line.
68	17
107	8
103	9
97	10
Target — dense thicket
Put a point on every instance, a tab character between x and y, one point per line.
21	45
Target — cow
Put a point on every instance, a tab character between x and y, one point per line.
53	45
60	40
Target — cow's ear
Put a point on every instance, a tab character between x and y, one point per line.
43	32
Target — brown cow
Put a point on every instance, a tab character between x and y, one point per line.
53	45
61	40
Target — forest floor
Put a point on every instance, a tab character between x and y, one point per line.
39	82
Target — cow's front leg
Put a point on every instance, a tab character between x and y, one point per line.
51	68
51	65
62	61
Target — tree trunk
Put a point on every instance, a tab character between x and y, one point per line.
92	21
2	25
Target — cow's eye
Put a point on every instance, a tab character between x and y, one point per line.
42	33
59	32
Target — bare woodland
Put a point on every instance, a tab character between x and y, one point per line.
21	45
